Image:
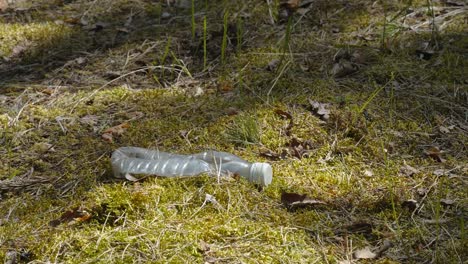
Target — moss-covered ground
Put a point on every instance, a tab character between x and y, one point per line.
390	161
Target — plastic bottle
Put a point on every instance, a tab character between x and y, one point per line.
126	160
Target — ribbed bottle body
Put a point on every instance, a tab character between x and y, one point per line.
134	160
141	161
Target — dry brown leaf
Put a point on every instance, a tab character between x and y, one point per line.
274	156
71	217
444	130
435	153
447	202
293	201
283	114
355	228
225	86
43	147
291	4
3	5
343	68
320	109
89	120
108	137
273	65
108	134
286	115
135	115
117	130
49	91
203	246
232	111
411	204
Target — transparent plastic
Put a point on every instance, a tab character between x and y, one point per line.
134	160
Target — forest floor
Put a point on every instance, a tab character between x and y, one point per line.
360	107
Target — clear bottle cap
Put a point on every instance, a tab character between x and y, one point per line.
261	173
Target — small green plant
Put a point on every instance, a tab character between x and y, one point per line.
225	37
204	43
244	130
193	19
371	97
239	33
162	61
434	30
287	37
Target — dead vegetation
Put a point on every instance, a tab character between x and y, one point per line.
361	108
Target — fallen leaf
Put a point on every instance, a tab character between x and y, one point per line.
108	137
368	173
225	86
123	30
411	204
386	245
343	68
89	119
72	20
130	177
274	156
291	4
355	228
80	60
447	202
273	65
444	130
293	201
300	148
49	91
19	50
283	114
71	217
436	221
286	115
364	253
135	115
203	246
320	109
3	5
232	111
118	130
211	199
11	256
43	147
421	191
435	153
444	172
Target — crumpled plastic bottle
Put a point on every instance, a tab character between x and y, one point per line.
134	160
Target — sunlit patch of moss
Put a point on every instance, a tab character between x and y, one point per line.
31	36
